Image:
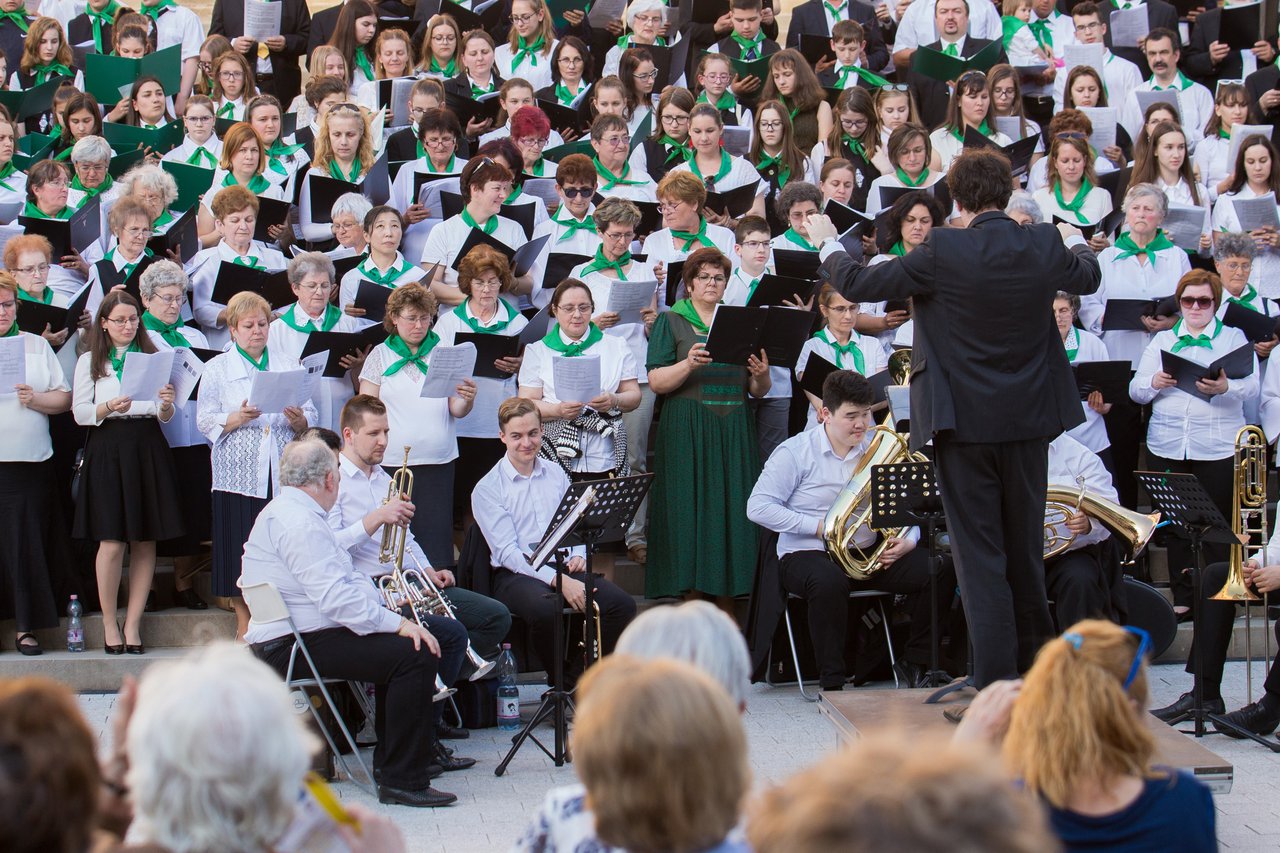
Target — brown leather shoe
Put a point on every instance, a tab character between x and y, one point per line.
638	554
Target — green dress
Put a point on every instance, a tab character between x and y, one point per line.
705	464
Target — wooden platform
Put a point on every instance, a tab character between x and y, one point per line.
853	711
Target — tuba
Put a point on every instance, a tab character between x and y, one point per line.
852	507
1134	528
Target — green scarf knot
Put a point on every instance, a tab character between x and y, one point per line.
168	332
1129	249
117	358
397	345
699	236
1200	340
1073	206
611	180
599	262
460	311
555	341
524	51
490	224
332	314
850	349
686	310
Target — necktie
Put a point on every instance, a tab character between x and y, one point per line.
950	50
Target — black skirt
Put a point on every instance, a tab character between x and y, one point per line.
128	486
233	518
196	507
33	546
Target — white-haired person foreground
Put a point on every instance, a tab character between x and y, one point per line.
696	632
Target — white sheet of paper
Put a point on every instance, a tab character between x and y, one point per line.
187	370
627	298
314	365
1255	213
429	195
1146	98
448	367
604	11
543	188
1239	133
274	391
145	373
1129	26
1104	126
1092	55
13	364
577	379
1184	224
1010	126
261	20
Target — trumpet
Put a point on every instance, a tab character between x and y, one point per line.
393	535
420	584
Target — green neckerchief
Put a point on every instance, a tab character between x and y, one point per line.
32	212
44	72
768	161
855	145
460	311
6	171
599	262
686	310
397	345
490	224
13	330
46	296
263	364
726	101
477	91
950	50
797	238
370	270
257	184
555	342
511	199
90	193
64	154
201	154
1181	83
792	111
753	45
280	150
99	20
362	62
1200	340
524	50
332	314
625	42
153	12
1042	29
681	149
907	182
850	349
1245	300
898	249
448	169
450	70
252	262
336	171
1128	248
835	10
539	169
227	110
699	236
1076	203
1224	133
128	268
164	218
1009	26
1072	343
564	96
611	180
984	129
168	333
846	72
726	163
572	226
18	17
117	359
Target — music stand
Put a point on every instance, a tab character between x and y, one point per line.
906	495
1185	504
578	520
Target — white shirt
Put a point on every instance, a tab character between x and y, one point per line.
1119	75
536	70
1038	174
422	423
331	393
358	495
1069	459
890	180
660	247
645	190
446	240
1211	159
188	147
482	420
1130	279
944	142
1195	105
246	459
1266	266
203	271
915	27
26	430
350	285
181	429
1097	204
179	25
1182	425
1093	432
1180	193
741	173
873	357
632	333
513	512
87	393
292	547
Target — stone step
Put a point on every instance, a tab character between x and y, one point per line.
172	628
1181	645
90	671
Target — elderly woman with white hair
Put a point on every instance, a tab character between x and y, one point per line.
1023	208
156	189
644	20
311	279
346	218
90	158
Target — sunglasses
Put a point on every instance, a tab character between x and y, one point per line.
1144	648
1196	301
895	87
578	192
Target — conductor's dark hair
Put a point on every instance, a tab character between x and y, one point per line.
846	386
324	434
980	179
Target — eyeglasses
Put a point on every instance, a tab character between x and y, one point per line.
415	319
168	300
1235	266
91	168
316	287
570	60
1004	91
718	78
523	19
628	236
572	310
1196	302
674	119
344	107
854	123
843	309
648	75
10	305
486	284
1089	27
439	141
124	321
708	278
650	20
669	206
770	125
616	141
1076	641
231	75
198	119
755	245
533	141
578	192
895	87
37	270
1069	134
136	232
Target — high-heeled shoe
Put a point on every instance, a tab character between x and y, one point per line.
134	650
117	649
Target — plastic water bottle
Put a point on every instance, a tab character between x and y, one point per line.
75	630
508	693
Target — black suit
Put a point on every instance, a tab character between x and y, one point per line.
990	385
1195	57
809	18
285	81
1259	83
932	96
1159	14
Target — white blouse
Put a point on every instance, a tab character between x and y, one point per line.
1093	432
482	420
948	148
873	358
741	173
87	393
203	271
633	334
1097	204
331	393
536	70
422	423
1130	279
660	247
26	430
350	285
446	240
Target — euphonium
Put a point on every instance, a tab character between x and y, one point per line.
900	366
852	507
1134	528
398	592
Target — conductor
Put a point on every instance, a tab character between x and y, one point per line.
990	386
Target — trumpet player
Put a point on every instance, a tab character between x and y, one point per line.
358	518
798	485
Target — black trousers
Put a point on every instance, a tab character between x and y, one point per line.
825	588
1124	431
994	497
1076	584
1214	635
404	682
539	606
1218	478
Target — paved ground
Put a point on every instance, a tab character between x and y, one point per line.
785	734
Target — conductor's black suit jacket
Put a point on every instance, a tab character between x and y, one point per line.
987	361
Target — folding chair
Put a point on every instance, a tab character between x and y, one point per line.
879	596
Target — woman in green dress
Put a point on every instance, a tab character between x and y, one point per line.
705	459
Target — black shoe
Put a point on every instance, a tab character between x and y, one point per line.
32	648
911	674
451	733
191	599
1252	718
423	798
1186	704
449	762
131	649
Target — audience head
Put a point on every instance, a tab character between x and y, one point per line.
697	632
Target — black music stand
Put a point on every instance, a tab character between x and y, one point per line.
605	519
906	495
1185	504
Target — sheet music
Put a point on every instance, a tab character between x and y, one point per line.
577	379
1184	224
261	20
604	11
1255	213
448	366
543	188
429	195
627	298
1128	27
401	87
1092	55
1146	98
274	391
13	364
187	370
1010	126
145	373
314	364
1104	126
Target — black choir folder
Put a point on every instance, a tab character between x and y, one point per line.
1124	315
1238	364
739	332
1256	327
372	298
1109	377
339	345
817	369
777	289
490	348
34	316
234	278
736	201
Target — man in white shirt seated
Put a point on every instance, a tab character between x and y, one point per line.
513	505
361	512
348	632
799	483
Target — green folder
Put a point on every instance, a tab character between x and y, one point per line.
939	66
31	149
581	146
109	78
122	163
758	68
33	142
559	7
24	104
642	131
193	182
126	137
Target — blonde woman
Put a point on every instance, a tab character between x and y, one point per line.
527	53
344	152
